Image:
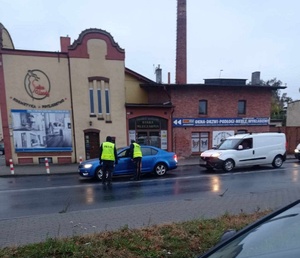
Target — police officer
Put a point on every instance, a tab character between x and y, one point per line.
109	158
136	157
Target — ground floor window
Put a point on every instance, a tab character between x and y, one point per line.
199	142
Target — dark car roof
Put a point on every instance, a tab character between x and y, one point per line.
276	235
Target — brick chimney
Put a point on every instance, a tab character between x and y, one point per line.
181	69
64	43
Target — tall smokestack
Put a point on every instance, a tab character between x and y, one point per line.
181	43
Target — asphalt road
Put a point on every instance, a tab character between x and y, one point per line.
36	207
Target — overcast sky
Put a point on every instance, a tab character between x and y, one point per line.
225	38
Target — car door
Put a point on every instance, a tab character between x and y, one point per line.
149	158
246	155
125	165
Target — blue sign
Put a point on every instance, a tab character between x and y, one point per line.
238	121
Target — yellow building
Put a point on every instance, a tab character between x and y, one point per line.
62	105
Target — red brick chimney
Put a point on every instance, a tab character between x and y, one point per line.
64	43
181	43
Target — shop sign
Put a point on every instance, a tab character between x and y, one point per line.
238	121
147	124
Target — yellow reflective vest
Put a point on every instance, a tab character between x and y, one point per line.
137	150
108	151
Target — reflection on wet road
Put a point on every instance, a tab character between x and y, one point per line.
36	195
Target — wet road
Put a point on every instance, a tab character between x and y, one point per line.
36	195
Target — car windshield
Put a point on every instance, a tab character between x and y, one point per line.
277	237
229	144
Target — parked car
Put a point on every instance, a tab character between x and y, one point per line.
243	150
276	235
154	160
2	152
297	152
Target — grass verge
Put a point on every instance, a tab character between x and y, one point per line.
186	239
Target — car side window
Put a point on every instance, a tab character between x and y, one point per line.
124	153
148	152
247	143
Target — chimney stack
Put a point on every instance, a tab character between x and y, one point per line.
181	70
255	78
158	74
65	43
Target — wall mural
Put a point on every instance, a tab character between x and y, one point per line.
41	130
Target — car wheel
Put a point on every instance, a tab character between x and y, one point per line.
228	165
1	152
160	169
277	162
98	174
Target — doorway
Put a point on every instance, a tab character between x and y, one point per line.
151	138
92	145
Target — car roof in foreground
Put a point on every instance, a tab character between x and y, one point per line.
275	235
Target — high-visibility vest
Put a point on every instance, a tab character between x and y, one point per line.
108	151
137	150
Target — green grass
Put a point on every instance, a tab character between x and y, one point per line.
186	239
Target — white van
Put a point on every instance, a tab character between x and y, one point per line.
243	150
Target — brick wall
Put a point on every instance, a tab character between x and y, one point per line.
222	102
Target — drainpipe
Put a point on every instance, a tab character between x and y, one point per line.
72	112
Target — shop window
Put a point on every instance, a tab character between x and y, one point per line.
242	107
199	142
203	107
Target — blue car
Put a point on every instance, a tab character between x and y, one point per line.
154	160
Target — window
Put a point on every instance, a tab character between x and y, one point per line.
247	143
99	97
107	101
242	107
203	107
148	151
99	102
92	111
199	142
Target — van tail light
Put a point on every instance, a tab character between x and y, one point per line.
175	158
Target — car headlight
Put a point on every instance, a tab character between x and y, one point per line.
296	151
216	155
87	165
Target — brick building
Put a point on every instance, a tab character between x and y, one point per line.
204	114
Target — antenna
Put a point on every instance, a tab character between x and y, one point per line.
220	73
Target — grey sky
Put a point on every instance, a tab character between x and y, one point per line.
236	36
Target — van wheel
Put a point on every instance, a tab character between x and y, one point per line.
228	165
277	162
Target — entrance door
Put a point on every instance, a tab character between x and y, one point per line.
151	138
92	145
